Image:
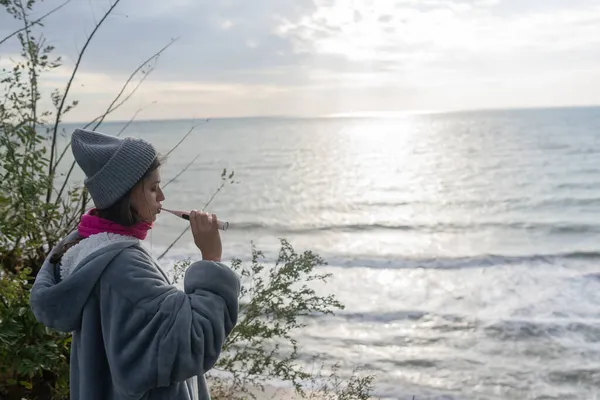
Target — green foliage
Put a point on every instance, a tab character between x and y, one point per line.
30	222
35	359
276	300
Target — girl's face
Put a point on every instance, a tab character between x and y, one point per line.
146	197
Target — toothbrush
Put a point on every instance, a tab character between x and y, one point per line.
186	215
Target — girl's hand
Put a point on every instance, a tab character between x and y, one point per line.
206	235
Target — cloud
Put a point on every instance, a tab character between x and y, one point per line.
236	57
217	40
222	40
429	42
391	29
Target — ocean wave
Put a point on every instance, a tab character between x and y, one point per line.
400	261
477	261
394	262
513	330
383	317
503	203
566	202
577	185
587	330
451	227
579	376
443	322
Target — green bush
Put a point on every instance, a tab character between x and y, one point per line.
276	300
35	359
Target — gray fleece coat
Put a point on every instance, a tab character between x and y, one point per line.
135	336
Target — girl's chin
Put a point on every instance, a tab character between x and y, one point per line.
150	219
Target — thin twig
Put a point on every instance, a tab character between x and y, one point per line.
32	63
180	172
64	214
182	140
32	55
112	109
62	154
214	195
112	106
75	215
131	120
174	242
66	94
37	21
64	185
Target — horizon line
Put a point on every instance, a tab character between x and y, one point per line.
391	114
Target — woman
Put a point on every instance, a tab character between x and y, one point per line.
135	336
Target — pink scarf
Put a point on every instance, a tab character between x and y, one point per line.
91	224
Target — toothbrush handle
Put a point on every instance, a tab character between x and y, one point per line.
222	225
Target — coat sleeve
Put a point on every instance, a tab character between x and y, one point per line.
156	334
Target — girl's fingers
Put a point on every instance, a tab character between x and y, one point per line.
215	225
204	222
194	221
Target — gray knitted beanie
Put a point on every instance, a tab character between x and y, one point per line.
112	165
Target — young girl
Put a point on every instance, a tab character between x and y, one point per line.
135	336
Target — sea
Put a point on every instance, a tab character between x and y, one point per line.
464	246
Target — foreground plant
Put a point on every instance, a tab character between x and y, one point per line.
38	204
276	301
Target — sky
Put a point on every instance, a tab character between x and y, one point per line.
324	57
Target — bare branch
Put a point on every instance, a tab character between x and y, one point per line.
75	213
214	195
181	172
62	154
182	139
64	214
110	110
128	123
131	120
37	21
66	94
64	185
112	106
32	64
174	242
